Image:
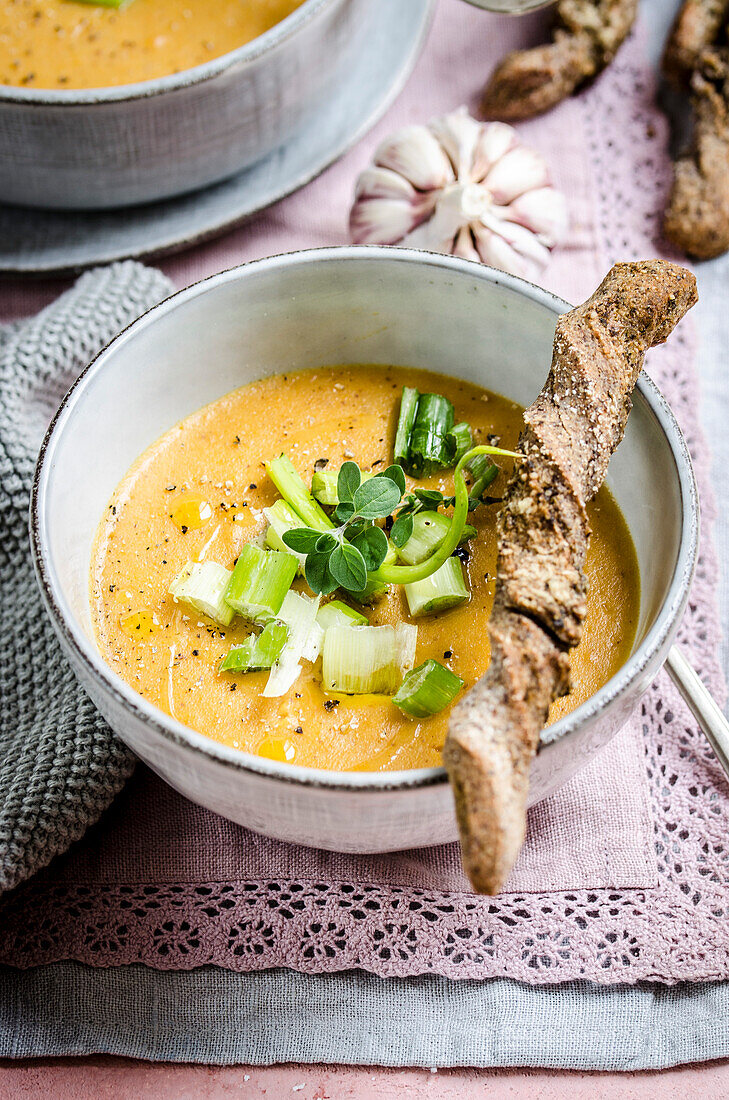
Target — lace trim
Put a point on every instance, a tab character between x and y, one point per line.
676	932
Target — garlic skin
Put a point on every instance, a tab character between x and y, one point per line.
464	187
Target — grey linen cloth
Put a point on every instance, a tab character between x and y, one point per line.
216	1016
60	764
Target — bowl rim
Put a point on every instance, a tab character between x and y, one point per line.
87	654
198	74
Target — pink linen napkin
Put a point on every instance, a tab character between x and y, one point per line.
614	889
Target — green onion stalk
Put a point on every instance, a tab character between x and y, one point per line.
406	574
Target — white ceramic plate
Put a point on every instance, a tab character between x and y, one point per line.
39	242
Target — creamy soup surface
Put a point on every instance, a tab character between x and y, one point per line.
199	491
65	44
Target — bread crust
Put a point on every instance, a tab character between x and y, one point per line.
570	432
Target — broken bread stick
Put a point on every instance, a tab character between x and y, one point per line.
586	35
697	215
570	432
698	26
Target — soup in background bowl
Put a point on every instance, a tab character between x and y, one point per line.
194	104
66	44
347	306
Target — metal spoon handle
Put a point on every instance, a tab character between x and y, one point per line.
701	704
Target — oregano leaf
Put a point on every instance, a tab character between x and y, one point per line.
343	512
372	545
402	529
318	575
429	496
395	473
347	567
301	539
348	481
376	498
325	544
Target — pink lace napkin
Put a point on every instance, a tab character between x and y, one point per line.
625	872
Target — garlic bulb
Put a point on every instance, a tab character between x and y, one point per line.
465	187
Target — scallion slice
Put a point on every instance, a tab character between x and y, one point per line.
464	439
281	518
259	651
117	4
429	530
304	642
202	586
483	471
290	485
324	487
443	589
337	613
406	419
426	690
432	446
364	660
260	581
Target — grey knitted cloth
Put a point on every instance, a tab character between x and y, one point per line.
60	764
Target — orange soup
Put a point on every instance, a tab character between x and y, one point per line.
67	44
198	494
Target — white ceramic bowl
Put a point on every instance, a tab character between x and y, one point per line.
347	305
112	147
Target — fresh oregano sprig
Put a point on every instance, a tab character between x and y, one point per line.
343	557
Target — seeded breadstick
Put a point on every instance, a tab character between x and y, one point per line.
570	432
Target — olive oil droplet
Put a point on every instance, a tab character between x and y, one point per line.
139	624
272	749
192	514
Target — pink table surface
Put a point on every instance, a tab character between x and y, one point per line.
102	1078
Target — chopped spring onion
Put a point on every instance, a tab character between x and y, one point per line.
364	660
408	408
429	530
464	439
118	4
281	518
324	486
259	650
392	555
202	585
290	485
305	638
432	446
483	472
426	690
443	589
337	613
260	581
